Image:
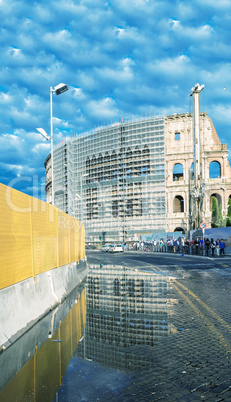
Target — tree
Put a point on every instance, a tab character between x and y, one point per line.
228	219
217	218
220	221
214	212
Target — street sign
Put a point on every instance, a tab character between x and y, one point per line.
203	225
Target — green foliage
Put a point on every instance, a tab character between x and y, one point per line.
214	212
228	219
217	219
220	220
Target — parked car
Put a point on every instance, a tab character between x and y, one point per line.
115	248
105	247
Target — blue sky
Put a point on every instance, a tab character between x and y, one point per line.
119	58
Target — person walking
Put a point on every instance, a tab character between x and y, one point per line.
197	245
218	246
222	247
174	245
207	244
187	244
212	246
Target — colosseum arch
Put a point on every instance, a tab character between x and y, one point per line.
214	170
218	197
178	172
178	204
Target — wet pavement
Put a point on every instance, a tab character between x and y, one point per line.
157	328
191	362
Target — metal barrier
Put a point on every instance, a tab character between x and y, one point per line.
35	237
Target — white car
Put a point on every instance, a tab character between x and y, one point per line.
105	247
115	248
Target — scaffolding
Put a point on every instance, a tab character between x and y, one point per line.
113	179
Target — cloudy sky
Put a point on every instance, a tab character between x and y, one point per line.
119	58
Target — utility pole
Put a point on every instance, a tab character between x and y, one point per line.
197	189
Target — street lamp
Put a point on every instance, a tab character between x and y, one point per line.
58	90
82	177
224	202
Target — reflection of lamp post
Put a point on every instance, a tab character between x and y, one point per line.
58	90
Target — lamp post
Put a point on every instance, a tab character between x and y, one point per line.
225	206
58	90
198	196
82	177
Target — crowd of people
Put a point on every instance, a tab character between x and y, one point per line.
199	246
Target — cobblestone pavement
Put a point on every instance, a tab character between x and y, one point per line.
193	362
190	363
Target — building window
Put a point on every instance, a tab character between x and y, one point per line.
214	170
178	172
178	204
177	136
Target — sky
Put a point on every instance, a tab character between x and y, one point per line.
119	59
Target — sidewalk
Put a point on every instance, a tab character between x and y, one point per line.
216	257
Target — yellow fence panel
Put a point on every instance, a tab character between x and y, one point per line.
15	237
35	237
63	238
45	242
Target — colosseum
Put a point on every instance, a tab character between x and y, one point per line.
137	176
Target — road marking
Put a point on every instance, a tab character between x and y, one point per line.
222	340
215	315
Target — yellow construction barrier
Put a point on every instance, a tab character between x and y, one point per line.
35	237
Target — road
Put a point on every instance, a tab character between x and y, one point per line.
160	260
194	361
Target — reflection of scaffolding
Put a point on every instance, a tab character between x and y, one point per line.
118	179
124	309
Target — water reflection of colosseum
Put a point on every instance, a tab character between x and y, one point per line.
125	309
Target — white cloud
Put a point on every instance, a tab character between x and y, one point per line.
41	147
103	109
174	23
222	4
171	66
15	52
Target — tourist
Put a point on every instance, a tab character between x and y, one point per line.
196	245
207	244
212	246
222	247
187	244
218	246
